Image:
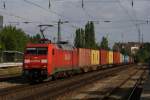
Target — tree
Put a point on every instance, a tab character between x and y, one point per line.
85	38
35	38
143	55
82	38
77	39
124	51
12	38
104	43
92	33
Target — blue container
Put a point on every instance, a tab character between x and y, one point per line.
126	59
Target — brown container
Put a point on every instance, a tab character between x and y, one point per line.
116	57
103	57
84	57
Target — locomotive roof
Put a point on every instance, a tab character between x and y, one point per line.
59	46
65	46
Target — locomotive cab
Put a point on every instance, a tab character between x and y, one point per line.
36	61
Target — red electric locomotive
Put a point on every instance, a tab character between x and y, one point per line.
48	59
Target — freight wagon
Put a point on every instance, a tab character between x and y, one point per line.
84	59
103	57
95	59
110	57
116	58
126	59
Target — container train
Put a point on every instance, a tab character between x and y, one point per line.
45	60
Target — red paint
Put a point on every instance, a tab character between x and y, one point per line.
56	58
84	57
103	57
116	57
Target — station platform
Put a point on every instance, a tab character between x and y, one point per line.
5	65
146	90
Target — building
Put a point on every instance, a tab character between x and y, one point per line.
1	22
131	47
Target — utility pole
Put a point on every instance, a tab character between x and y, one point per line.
122	36
59	34
142	38
59	29
139	32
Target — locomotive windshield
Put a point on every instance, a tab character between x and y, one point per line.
36	51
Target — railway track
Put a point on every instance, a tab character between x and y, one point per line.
111	93
102	89
54	88
9	77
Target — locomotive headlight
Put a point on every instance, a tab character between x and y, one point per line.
27	61
44	61
44	66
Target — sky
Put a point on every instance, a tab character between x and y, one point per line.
125	20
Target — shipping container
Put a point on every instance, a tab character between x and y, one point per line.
75	58
84	56
95	57
116	57
110	57
126	59
103	57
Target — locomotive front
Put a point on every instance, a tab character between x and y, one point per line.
35	61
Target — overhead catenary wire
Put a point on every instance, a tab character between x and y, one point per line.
133	20
51	11
60	15
13	15
87	14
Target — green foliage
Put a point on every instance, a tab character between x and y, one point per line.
125	52
77	39
104	43
85	38
143	55
35	38
12	38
